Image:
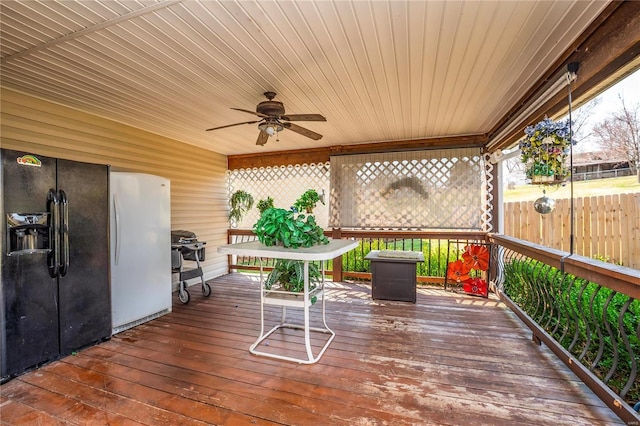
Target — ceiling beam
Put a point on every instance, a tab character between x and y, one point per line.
91	29
609	47
321	155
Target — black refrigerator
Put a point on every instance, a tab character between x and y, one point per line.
55	294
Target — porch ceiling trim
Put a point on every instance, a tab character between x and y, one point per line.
607	52
321	155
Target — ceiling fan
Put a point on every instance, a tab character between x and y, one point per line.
274	120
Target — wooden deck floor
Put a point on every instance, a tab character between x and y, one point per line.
448	360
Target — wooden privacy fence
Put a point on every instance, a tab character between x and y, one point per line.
606	227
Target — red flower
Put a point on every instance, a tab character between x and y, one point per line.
476	257
458	271
476	286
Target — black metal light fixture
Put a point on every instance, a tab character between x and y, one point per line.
572	70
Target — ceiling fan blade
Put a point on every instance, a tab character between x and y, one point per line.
251	112
304	132
303	117
262	138
231	125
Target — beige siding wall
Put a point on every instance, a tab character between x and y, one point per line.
198	197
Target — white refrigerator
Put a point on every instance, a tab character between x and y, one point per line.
140	248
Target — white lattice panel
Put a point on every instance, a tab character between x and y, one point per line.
284	184
435	189
451	191
487	214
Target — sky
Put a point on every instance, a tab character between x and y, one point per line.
629	88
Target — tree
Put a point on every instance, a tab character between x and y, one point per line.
582	123
620	133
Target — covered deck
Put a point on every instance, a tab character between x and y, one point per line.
448	359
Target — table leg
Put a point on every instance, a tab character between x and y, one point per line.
261	301
306	327
307	337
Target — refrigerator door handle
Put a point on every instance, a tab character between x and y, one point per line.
116	216
64	228
53	259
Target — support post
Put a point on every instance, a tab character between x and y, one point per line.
336	234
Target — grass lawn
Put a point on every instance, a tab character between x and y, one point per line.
588	188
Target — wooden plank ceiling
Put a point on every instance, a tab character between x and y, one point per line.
377	70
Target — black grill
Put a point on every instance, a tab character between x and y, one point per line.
186	247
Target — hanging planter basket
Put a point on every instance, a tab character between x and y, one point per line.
544	152
540	172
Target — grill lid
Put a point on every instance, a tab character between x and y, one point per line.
183	237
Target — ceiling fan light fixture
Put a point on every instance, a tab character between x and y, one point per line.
272	120
270	128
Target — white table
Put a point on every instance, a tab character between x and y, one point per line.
285	299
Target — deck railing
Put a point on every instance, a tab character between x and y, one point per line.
586	311
435	246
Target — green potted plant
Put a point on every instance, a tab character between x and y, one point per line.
265	204
544	151
307	201
241	202
290	274
289	229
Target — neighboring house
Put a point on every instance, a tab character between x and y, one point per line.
598	165
586	166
